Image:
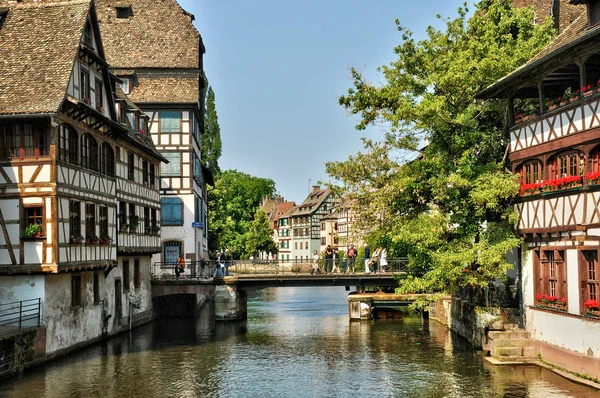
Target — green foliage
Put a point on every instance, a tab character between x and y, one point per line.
31	230
450	211
233	201
259	237
210	140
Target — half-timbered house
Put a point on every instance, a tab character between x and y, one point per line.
155	50
75	167
554	108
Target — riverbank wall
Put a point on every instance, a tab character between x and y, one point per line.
459	316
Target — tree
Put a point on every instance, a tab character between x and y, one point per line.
449	210
233	201
210	141
259	236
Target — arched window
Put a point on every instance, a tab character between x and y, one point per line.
68	144
566	164
89	152
107	159
531	172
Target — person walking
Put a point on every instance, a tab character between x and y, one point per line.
328	259
367	258
383	260
351	258
181	264
218	267
375	260
335	260
315	265
203	264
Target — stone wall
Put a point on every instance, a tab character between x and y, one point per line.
459	316
22	350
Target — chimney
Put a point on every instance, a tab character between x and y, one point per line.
315	188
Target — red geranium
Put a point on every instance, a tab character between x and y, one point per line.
591	305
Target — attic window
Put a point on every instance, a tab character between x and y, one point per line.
124	12
593	9
2	17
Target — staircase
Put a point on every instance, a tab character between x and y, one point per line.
511	345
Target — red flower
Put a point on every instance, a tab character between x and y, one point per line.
563	300
592	176
591	305
538	297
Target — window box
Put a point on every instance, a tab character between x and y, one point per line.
76	239
91	240
561	191
32	231
589	313
105	240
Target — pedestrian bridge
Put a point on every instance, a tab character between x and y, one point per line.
229	292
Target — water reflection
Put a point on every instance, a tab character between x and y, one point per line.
295	342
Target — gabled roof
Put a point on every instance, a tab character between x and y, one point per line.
574	35
159	34
312	202
38	46
178	87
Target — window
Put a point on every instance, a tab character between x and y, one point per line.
125	85
323	241
99	96
124	12
153	217
152	174
87	34
170	121
589	275
198	210
85	86
2	18
172	211
295	245
122	214
33	215
322	226
89	152
551	273
125	274
147	226
90	220
173	168
103	221
130	167
171	252
145	172
74	219
133	218
75	290
68	144
137	277
567	164
19	141
107	159
96	288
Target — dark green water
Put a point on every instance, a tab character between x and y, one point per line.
295	343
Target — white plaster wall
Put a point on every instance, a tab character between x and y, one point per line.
575	334
528	281
67	326
23	287
572	282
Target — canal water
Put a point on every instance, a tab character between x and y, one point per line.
296	342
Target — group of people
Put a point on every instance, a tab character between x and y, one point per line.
378	261
222	266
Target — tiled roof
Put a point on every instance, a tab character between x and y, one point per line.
574	34
312	202
159	34
178	87
38	45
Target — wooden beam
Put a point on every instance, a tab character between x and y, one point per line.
11	253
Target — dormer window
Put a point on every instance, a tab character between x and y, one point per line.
87	34
125	85
124	12
2	17
593	9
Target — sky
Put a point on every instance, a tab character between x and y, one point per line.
278	67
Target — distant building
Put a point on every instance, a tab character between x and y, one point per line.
329	230
306	222
154	49
284	230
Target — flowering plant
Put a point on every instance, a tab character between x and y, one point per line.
545	299
518	118
76	239
530	188
593	176
591	305
562	182
105	240
91	239
586	88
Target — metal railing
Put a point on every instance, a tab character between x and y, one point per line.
20	315
274	267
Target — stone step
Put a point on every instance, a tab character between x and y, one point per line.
511	326
511	343
518	334
518	359
529	352
507	351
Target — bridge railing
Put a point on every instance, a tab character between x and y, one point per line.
273	267
20	315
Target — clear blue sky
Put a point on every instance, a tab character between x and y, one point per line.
278	68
